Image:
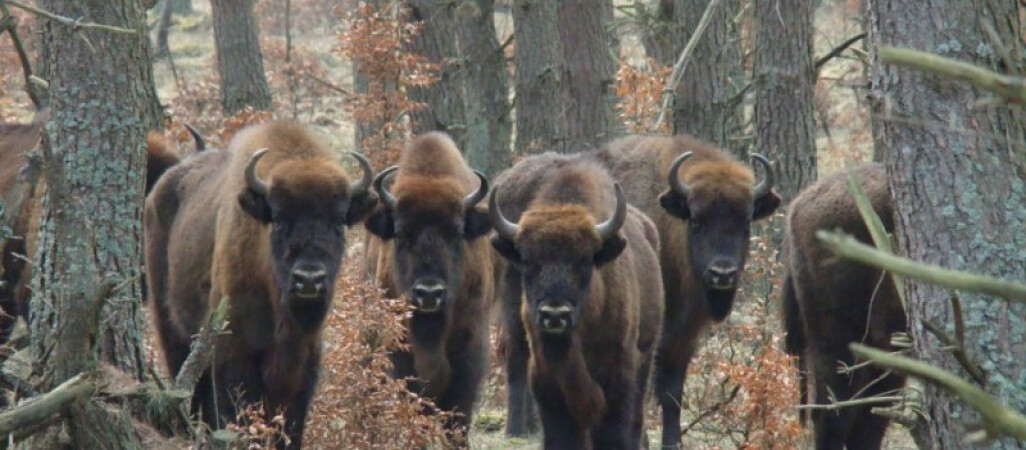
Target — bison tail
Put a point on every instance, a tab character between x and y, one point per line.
794	343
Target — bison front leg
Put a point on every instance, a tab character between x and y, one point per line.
296	410
469	364
521	420
671	368
561	430
616	431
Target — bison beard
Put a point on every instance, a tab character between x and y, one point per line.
829	303
592	304
261	224
424	242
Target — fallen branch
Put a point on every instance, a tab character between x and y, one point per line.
202	349
1010	88
44	407
75	23
848	247
998	419
682	61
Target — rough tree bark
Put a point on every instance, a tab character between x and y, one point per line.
239	60
958	176
437	42
540	82
591	51
486	97
785	80
86	282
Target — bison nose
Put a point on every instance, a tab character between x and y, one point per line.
309	281
722	274
555	317
429	296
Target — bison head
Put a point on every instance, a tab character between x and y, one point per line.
430	219
557	248
719	204
306	203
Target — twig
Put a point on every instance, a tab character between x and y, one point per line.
998	418
26	67
958	351
876	228
834	406
76	23
327	84
710	411
682	61
1012	89
202	349
45	406
848	247
838	50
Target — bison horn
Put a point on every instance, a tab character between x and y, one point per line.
252	180
476	196
368	175
505	229
675	184
379	186
609	228
201	144
764	187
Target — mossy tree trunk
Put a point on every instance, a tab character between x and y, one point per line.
240	62
785	83
540	78
436	41
958	175
86	306
591	50
486	97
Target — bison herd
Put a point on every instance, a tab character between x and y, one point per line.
607	266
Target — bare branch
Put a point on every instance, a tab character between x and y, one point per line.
1010	88
848	247
67	21
958	350
682	61
838	50
850	403
44	407
202	349
11	24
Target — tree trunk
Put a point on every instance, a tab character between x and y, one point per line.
957	174
486	98
785	80
591	51
540	83
86	284
437	42
239	61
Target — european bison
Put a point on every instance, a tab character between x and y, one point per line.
16	142
424	242
591	307
703	202
261	224
829	303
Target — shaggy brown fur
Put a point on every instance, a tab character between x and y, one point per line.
440	245
589	380
210	235
722	204
827	302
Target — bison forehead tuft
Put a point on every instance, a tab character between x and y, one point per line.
434	197
311	179
571	228
727	180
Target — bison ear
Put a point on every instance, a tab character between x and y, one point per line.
255	205
611	248
381	224
476	223
675	204
507	249
765	205
359	207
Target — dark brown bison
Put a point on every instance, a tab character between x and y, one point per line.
16	142
263	225
829	303
425	243
592	304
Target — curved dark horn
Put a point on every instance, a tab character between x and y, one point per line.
252	180
504	228
674	179
201	144
368	175
379	186
763	187
476	196
609	228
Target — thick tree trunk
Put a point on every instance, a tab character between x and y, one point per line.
591	51
437	42
86	283
486	98
540	83
958	176
785	80
239	60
